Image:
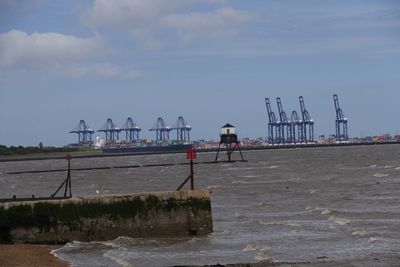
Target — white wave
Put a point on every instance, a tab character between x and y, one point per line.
313	191
117	259
240	168
213	186
379	242
227	165
397	168
193	240
360	233
250	176
373	166
240	182
55	254
250	247
73	244
326	211
273	167
310	208
376	198
124	239
340	221
284	223
110	244
263	256
380	175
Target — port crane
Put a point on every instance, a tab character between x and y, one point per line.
284	124
341	122
308	123
84	132
111	130
296	124
131	130
182	130
274	131
162	130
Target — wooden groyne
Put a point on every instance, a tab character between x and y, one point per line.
106	217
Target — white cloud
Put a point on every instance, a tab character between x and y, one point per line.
130	14
123	13
145	19
57	52
15	4
219	23
134	16
133	74
19	50
103	70
146	39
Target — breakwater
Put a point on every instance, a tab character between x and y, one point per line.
106	217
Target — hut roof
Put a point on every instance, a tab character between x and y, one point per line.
228	125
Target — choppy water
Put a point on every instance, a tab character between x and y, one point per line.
339	205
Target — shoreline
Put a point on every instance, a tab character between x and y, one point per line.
17	255
99	154
30	255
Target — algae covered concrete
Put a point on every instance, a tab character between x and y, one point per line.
106	217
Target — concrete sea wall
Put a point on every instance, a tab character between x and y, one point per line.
105	217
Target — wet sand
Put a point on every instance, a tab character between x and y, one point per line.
29	256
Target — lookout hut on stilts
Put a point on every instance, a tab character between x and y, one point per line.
230	140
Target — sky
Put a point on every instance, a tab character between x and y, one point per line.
210	61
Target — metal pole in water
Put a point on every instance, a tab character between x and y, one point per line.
69	178
191	175
190	154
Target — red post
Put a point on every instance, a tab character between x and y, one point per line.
191	153
191	175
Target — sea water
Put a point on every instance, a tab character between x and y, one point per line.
339	205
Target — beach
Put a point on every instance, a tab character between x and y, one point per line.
19	255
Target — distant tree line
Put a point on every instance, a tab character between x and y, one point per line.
21	150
